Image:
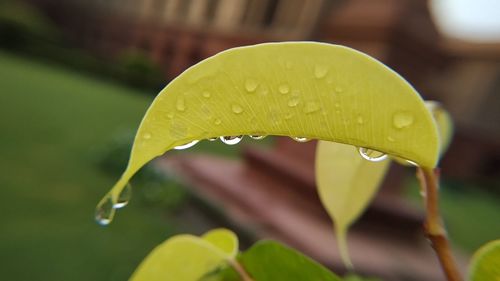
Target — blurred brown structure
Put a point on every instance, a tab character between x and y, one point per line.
273	191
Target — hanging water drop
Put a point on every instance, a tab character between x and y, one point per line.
187	145
402	120
320	71
251	85
105	211
300	139
213	139
236	108
231	140
124	197
284	88
257	137
372	155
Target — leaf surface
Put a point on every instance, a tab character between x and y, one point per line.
225	240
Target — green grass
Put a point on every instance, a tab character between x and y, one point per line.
51	121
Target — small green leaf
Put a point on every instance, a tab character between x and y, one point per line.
485	264
271	261
180	258
223	239
346	185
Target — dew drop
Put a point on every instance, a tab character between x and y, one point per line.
372	155
236	108
402	120
257	137
300	139
147	136
311	107
320	71
251	85
217	121
231	140
187	145
206	94
105	211
180	104
284	89
124	197
213	139
293	102
360	120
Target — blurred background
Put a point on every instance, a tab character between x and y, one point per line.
76	77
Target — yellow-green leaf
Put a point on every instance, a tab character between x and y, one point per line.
485	264
182	257
297	89
444	124
225	240
346	184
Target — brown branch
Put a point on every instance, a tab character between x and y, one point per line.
434	227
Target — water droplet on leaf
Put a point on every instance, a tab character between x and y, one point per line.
231	140
213	139
284	88
251	85
124	197
372	155
320	71
180	104
187	145
311	107
402	120
105	211
257	137
293	102
300	139
236	108
217	121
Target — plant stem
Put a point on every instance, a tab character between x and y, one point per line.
434	227
241	271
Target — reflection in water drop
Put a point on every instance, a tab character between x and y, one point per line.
105	211
402	120
187	145
124	197
251	85
257	137
231	140
300	139
236	108
213	139
411	163
372	155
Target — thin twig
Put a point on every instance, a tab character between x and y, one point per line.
434	227
241	271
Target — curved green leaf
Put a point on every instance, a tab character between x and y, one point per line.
182	257
485	264
346	184
224	239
